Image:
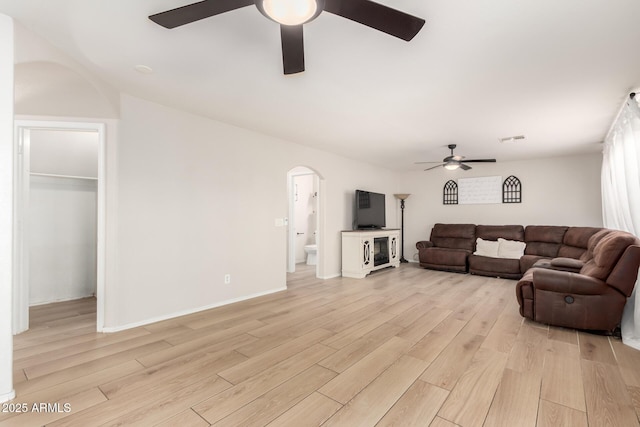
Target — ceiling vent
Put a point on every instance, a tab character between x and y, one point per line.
510	139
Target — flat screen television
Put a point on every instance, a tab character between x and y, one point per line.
369	210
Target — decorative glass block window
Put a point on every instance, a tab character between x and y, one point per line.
450	193
511	190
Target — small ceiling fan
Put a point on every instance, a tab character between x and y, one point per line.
453	162
291	14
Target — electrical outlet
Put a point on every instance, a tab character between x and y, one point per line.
227	279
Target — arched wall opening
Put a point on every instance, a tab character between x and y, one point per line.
305	228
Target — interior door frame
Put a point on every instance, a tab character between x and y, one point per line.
319	226
22	149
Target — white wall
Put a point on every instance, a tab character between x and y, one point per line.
557	191
6	207
62	239
198	199
49	83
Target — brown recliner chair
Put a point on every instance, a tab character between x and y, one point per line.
593	298
448	247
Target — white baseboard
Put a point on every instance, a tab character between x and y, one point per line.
35	304
187	312
7	396
330	276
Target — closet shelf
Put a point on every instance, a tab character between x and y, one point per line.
63	176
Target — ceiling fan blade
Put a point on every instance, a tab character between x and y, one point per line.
453	158
434	167
292	48
464	167
377	16
481	161
196	11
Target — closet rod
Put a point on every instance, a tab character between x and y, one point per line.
63	176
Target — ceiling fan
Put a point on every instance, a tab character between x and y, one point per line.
453	162
292	14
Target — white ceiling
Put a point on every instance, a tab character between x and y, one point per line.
554	71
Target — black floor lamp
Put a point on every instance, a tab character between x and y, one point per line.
402	198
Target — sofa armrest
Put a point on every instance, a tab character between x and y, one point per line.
567	282
423	244
567	264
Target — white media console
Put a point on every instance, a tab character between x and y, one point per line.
364	251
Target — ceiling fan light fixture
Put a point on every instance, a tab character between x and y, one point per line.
452	166
290	12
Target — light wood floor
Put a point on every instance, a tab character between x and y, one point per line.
402	347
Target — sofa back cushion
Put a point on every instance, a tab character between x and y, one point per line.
544	240
606	254
576	241
494	232
593	242
454	236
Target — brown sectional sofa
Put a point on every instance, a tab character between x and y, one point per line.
451	247
577	277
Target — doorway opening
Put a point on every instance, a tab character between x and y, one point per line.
59	248
305	242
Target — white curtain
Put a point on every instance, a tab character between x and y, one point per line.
621	196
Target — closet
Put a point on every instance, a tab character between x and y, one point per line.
62	215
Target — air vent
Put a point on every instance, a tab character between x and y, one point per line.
510	139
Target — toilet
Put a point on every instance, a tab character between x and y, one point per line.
312	251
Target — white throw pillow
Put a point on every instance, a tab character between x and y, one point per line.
512	249
486	248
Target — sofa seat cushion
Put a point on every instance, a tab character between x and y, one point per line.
444	256
528	261
500	267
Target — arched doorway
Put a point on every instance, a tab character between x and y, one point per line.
306	218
